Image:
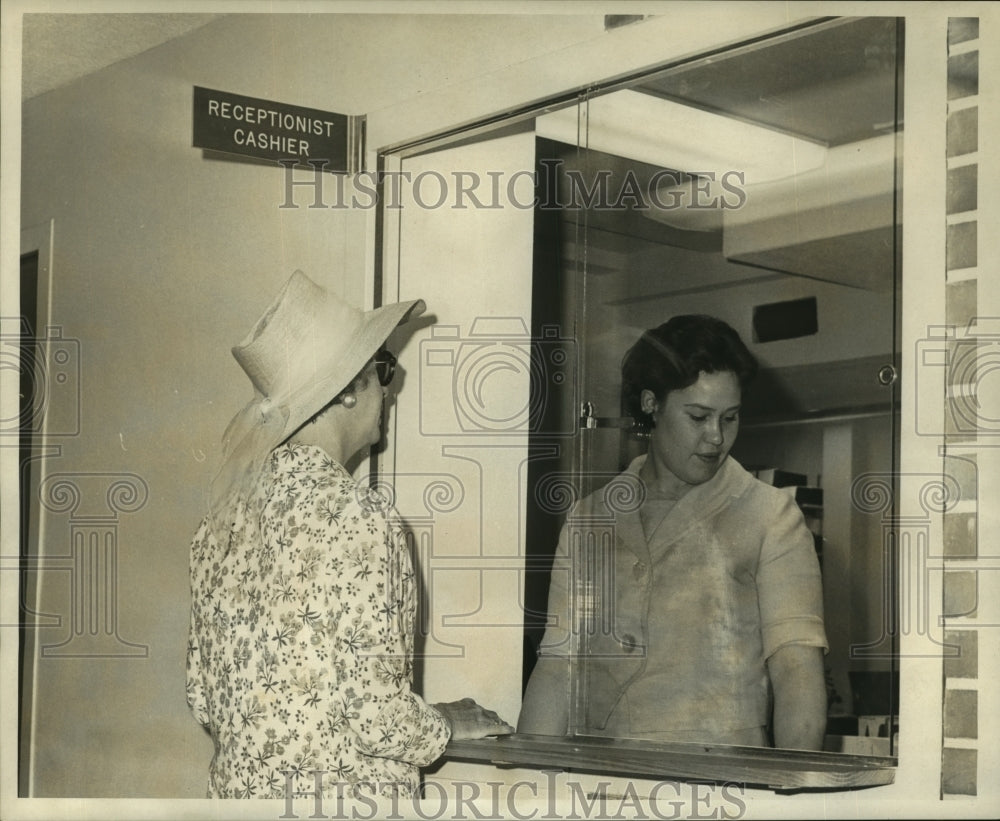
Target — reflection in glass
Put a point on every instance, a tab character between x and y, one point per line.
758	186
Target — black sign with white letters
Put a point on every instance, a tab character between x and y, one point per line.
267	130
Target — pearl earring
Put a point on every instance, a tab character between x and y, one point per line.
349	400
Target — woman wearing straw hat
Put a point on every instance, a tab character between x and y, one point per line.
303	597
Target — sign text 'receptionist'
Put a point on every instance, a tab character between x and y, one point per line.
269	130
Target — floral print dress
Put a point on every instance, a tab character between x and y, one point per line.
300	653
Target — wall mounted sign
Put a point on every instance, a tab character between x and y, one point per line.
267	130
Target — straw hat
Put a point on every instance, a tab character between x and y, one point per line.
306	347
309	345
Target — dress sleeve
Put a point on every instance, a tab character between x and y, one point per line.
195	683
195	686
557	638
371	597
789	589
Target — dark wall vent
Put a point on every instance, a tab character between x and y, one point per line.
785	320
613	21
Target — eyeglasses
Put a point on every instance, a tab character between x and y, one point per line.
385	367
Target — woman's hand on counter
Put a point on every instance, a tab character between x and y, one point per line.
470	720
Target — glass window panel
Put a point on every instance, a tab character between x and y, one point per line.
758	183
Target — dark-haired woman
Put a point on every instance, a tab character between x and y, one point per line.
702	620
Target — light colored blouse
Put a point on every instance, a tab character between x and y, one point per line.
676	628
300	652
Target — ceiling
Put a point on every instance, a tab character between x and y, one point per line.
821	206
814	114
60	48
835	84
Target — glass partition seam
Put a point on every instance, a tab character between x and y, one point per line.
894	388
582	588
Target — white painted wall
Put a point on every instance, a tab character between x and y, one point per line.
459	468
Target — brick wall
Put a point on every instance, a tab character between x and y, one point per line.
962	441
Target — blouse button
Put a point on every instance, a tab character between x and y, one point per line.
639	569
629	643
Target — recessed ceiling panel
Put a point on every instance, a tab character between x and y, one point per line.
833	84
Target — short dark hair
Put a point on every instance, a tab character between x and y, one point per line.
671	356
